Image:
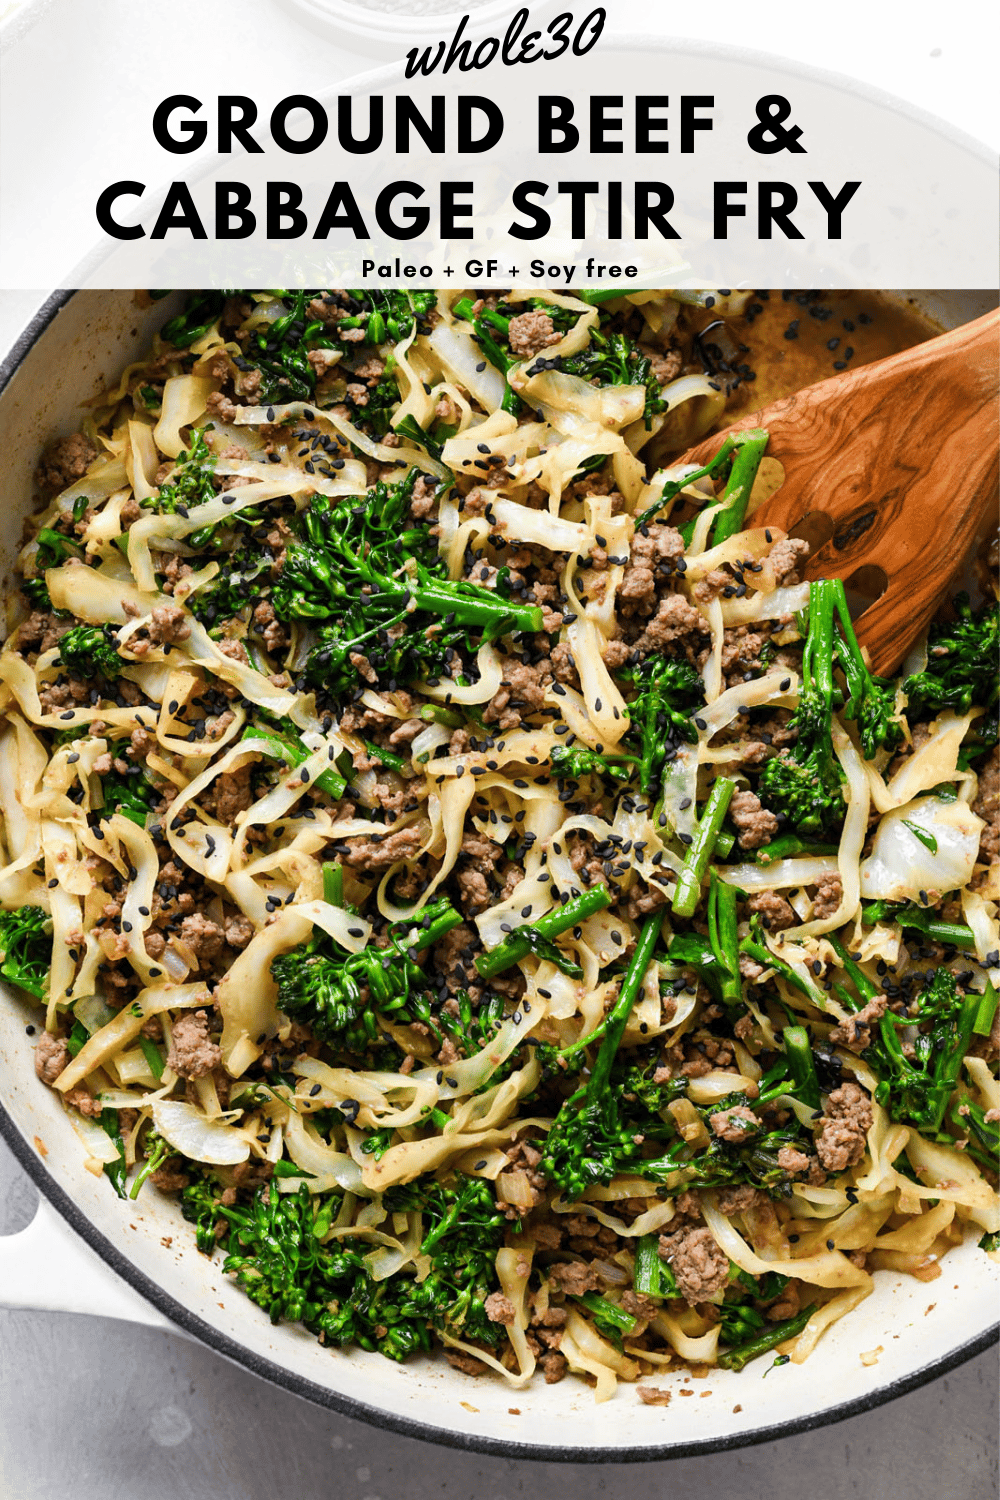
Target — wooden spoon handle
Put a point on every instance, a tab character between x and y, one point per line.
902	458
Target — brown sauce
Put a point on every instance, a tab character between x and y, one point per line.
870	324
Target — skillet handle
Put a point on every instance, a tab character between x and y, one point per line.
47	1266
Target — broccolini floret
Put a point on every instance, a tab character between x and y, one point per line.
961	668
376	585
91	651
339	994
26	949
276	1251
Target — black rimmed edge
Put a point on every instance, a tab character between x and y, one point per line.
380	1417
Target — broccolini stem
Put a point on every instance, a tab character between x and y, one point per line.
741	478
652	1275
688	891
762	955
423	937
617	1017
801	1066
917	917
789	844
519	944
596	296
735	1359
673	489
724	938
987	1009
445	599
385	757
333	884
294	752
607	1315
864	986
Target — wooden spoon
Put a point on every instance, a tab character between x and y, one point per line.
901	458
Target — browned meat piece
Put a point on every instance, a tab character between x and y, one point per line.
454	954
523	692
473	890
169	1179
192	1052
711	586
700	1266
66	461
855	1032
736	1200
407	731
754	823
239	930
666	366
547	1234
829	894
467	1363
846	1123
553	1366
221	407
531	332
233	793
616	654
654	552
785	558
168	625
773	910
377	854
40	632
500	1309
734	1124
563	665
51	1056
987	806
204	938
642	899
654	1395
575	1278
793	1162
481	853
235	650
272	631
82	1099
142	742
675	622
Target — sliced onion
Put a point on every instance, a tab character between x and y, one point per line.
191	1133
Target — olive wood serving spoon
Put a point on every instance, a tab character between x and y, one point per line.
901	459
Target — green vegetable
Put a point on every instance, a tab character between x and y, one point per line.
338	993
289	748
91	651
652	1275
362	571
688	889
191	481
777	1333
276	1252
537	937
26	949
587	1143
803	784
915	1085
919	919
961	668
736	495
667	691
